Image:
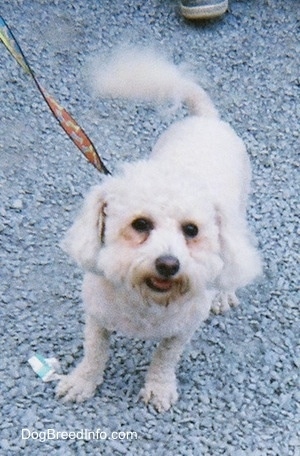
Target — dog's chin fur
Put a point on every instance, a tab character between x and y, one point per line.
186	202
179	291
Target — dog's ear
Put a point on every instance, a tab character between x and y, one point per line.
242	261
86	236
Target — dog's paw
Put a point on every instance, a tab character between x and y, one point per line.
161	395
75	387
223	301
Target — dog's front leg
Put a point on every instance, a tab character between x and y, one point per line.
83	381
160	387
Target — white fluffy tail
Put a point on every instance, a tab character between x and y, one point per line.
143	74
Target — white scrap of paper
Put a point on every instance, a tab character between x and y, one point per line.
45	368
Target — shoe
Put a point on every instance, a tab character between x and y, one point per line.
203	9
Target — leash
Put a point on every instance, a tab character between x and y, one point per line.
65	120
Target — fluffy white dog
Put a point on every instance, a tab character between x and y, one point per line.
166	241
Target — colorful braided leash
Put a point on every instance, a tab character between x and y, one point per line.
66	121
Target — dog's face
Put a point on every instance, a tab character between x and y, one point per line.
151	233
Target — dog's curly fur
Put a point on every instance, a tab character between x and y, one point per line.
166	241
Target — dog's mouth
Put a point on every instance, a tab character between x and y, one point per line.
159	285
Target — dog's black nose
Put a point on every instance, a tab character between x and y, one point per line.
167	265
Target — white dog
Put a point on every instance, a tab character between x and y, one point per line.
165	241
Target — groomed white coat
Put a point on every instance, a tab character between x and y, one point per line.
166	240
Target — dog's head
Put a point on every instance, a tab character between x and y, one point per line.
149	231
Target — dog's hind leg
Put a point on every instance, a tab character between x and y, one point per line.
81	384
223	301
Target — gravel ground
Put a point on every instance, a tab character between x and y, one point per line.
239	377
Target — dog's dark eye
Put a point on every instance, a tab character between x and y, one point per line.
190	230
142	225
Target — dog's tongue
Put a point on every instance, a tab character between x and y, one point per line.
161	284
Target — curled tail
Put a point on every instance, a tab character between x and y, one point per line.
143	74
